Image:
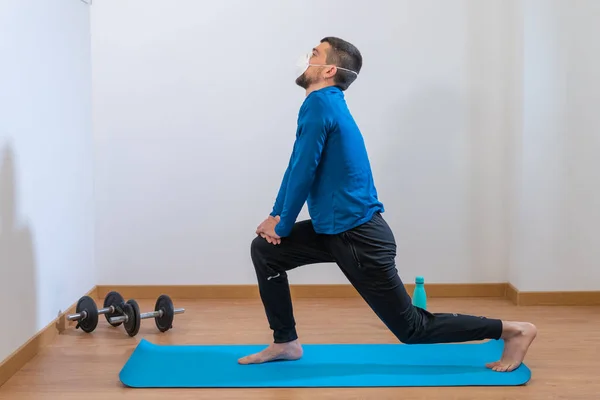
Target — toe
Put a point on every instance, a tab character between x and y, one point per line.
250	359
512	367
502	367
492	364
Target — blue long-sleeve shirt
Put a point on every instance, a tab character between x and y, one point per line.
329	169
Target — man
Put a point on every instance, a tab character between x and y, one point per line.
330	169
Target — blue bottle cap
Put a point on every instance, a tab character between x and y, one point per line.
420	280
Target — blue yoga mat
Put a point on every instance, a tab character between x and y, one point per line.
323	365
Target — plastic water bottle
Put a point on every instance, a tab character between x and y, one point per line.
419	295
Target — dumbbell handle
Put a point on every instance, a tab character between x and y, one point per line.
151	314
83	314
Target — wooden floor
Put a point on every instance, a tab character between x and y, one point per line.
563	360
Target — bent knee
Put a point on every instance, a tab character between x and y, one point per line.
409	338
260	247
408	331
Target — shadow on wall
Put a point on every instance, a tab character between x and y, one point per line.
18	291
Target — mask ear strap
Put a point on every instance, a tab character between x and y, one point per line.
327	65
346	69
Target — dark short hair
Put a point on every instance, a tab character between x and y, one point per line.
345	55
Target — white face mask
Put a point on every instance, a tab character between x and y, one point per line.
304	63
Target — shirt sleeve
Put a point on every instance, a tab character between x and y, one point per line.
308	147
278	206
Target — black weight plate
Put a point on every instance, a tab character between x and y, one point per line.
132	310
116	300
90	322
165	304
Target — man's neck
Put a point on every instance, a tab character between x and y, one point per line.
317	86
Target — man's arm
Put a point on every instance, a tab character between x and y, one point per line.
278	206
307	155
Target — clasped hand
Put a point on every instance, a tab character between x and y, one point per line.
267	230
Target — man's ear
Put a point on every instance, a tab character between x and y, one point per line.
330	72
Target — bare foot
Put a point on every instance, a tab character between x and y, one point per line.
517	336
275	352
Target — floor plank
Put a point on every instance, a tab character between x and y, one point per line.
563	360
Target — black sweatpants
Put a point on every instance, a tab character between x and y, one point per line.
366	256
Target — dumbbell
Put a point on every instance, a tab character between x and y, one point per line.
163	315
86	312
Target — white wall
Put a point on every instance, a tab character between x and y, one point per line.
174	82
46	183
556	244
479	129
